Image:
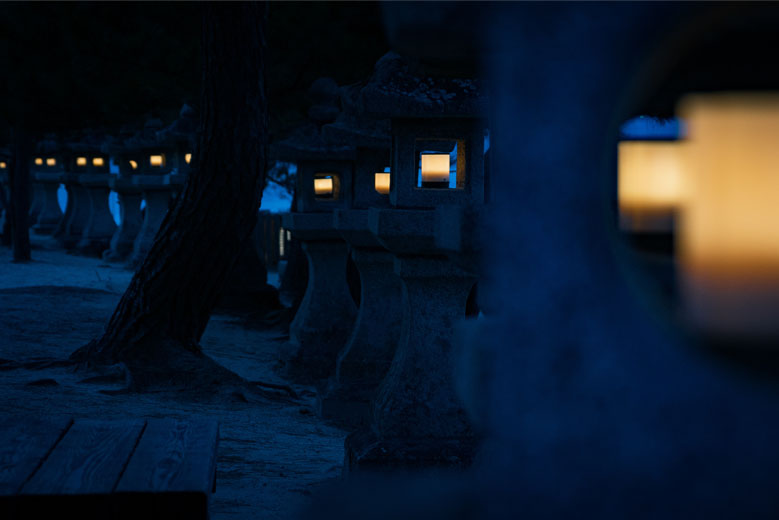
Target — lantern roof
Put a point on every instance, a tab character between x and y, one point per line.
90	142
354	126
307	142
399	88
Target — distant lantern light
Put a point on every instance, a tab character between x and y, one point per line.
728	240
38	161
51	161
381	182
98	161
650	184
281	241
133	164
188	158
324	187
3	165
157	160
81	161
435	170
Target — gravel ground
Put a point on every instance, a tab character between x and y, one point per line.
271	456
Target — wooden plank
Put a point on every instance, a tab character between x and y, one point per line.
89	459
24	443
173	456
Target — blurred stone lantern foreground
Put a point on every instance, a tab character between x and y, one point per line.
417	418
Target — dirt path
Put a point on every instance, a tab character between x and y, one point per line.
271	456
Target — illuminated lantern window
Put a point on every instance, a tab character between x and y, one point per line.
434	170
98	161
38	161
51	161
3	166
381	182
650	184
81	161
326	186
729	240
289	235
188	158
133	165
157	161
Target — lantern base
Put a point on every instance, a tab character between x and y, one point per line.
326	315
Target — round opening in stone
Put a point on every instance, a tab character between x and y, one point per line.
38	161
133	165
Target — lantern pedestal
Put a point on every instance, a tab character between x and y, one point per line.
36	199
130	197
156	193
363	363
50	214
417	418
326	315
100	226
76	214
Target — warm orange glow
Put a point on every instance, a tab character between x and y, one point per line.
133	164
156	160
435	168
98	161
650	184
323	187
729	240
51	161
3	165
188	158
81	161
381	183
38	161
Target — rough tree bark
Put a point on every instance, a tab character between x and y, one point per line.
19	196
157	325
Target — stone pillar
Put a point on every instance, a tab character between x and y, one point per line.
36	199
100	226
50	213
364	361
417	418
77	212
326	315
130	222
156	193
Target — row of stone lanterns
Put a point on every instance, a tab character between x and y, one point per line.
152	167
388	373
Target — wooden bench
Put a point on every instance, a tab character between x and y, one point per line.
144	469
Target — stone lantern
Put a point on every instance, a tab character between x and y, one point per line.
364	361
47	176
93	169
156	162
438	128
325	317
129	197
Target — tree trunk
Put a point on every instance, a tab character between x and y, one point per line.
19	196
167	305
